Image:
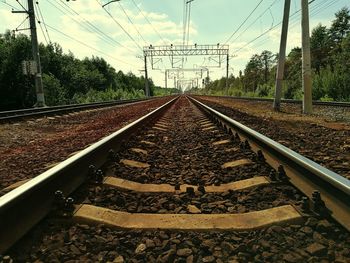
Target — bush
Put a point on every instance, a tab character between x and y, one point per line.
107	95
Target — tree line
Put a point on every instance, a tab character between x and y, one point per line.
330	54
66	79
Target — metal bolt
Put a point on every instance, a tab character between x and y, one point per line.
59	199
305	204
99	176
69	207
282	176
273	175
217	183
111	155
261	156
246	144
318	204
230	131
242	145
91	171
201	189
190	190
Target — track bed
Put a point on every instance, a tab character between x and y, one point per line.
184	167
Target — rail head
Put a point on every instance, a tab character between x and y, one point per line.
38	112
291	101
317	176
26	205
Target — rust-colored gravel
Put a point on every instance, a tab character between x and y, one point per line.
30	147
184	153
319	137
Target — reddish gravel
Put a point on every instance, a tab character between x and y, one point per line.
29	148
183	152
318	137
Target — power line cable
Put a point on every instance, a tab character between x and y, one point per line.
184	22
88	46
251	24
22	5
188	21
267	31
125	31
42	18
41	27
92	28
251	13
126	14
4	2
71	13
155	30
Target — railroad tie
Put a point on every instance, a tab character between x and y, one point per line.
230	222
134	164
236	163
167	188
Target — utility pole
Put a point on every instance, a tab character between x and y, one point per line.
227	65
166	81
306	63
147	93
281	57
40	98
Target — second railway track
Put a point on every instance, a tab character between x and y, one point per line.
183	184
15	115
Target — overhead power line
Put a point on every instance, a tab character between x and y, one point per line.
88	46
245	20
251	24
86	24
42	19
116	21
155	30
268	30
39	22
126	14
5	3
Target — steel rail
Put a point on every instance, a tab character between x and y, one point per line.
305	174
292	101
37	112
26	205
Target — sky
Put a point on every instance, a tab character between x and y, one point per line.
119	31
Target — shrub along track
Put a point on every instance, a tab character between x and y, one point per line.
182	149
327	143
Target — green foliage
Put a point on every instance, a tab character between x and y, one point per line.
158	91
66	79
98	96
54	92
330	53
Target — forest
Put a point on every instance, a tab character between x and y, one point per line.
330	55
66	79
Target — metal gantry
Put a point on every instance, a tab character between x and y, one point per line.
176	53
179	73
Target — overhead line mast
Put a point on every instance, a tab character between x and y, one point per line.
40	97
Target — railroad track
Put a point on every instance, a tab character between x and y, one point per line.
183	167
291	101
15	115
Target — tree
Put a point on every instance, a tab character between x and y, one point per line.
292	74
319	44
340	27
267	60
